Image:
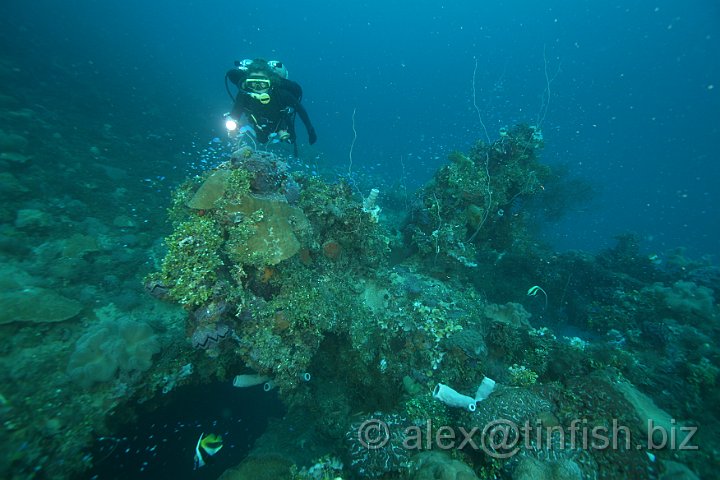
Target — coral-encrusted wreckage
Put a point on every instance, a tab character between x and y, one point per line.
456	316
287	278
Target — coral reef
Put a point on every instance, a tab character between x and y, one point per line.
307	283
269	273
473	202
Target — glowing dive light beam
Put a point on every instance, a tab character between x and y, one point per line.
231	125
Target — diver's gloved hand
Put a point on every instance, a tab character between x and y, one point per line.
236	76
312	137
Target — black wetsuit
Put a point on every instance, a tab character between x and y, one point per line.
278	114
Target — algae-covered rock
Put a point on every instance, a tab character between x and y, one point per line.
274	237
8	101
124	221
375	297
475	215
439	466
266	467
14	277
512	314
210	191
685	298
112	345
534	469
32	218
10	185
652	419
12	142
677	471
78	245
14	157
37	305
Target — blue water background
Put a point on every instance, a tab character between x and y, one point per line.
634	98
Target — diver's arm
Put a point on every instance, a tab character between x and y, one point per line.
240	106
312	136
236	76
288	98
293	87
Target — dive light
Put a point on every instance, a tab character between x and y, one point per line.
231	124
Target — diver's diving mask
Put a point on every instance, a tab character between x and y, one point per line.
257	85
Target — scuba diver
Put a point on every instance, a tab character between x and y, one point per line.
266	103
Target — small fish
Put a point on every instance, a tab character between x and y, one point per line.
206	447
